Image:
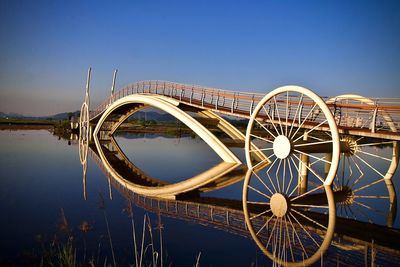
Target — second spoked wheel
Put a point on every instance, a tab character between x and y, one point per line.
287	199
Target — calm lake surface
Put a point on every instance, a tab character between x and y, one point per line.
41	179
40	175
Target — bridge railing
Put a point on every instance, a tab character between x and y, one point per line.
237	103
370	114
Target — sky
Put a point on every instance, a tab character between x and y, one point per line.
330	47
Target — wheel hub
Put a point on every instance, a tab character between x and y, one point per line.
282	147
279	205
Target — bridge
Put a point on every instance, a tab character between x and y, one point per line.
308	157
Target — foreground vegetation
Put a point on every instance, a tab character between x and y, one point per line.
68	246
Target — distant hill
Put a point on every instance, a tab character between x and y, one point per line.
153	115
63	116
59	116
10	115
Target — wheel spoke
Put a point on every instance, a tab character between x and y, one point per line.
298	171
309	206
284	175
287	113
309	131
295	114
304	229
277	176
359	169
265	224
298	238
377	197
368	207
369	165
272	231
311	170
272	121
306	193
368	185
259	214
256	190
362	213
316	138
308	218
261	138
263	161
311	110
261	149
312	156
258	202
318	160
277	113
313	143
259	178
288	236
375	144
291	177
376	156
269	177
265	128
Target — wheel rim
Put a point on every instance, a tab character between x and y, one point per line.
290	125
83	132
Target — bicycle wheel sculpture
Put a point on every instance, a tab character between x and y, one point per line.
366	168
288	203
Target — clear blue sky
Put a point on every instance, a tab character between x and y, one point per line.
332	47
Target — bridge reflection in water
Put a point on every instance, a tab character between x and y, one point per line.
354	242
314	176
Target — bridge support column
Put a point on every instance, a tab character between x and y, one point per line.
303	170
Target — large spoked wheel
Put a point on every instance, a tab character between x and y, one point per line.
287	199
83	133
363	183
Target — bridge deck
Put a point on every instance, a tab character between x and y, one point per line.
355	115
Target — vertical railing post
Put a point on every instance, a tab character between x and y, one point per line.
251	106
373	123
237	102
216	102
113	82
182	92
202	98
233	102
191	95
163	89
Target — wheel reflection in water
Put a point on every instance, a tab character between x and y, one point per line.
363	180
287	199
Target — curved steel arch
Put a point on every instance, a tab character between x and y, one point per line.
230	161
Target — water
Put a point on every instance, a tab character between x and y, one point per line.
41	177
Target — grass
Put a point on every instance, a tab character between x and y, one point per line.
63	249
